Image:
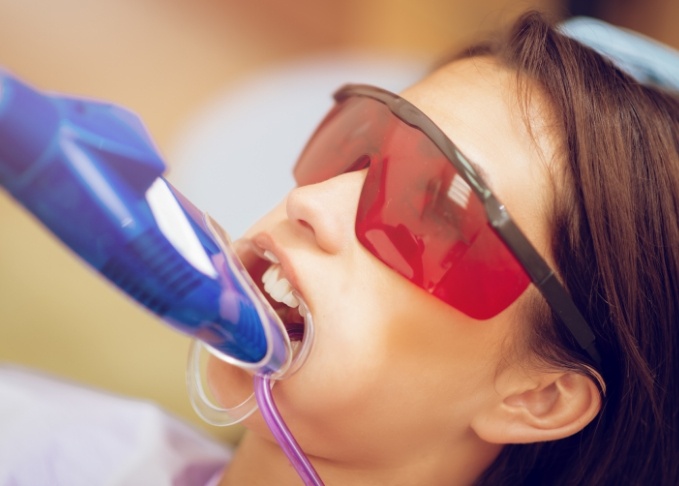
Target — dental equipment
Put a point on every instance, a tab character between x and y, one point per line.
89	172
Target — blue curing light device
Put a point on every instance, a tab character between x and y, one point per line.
90	173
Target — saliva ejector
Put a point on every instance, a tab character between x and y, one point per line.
90	173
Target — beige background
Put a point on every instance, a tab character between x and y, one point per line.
164	59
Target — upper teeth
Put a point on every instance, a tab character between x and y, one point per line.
278	287
270	256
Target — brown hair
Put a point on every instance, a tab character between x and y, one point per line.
616	245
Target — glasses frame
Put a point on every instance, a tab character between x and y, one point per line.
540	273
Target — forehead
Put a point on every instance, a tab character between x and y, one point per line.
479	105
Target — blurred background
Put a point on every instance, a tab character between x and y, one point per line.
229	90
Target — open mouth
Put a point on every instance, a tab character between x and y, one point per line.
267	273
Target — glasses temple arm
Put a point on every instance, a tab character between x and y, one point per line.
543	278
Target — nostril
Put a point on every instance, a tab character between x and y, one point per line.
305	225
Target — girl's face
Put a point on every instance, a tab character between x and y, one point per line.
394	370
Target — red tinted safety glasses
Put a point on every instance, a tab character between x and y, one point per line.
425	212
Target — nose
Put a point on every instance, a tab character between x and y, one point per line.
327	210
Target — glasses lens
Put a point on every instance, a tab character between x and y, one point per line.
350	134
416	212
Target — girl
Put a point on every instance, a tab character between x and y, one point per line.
445	352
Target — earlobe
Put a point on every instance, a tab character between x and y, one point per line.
546	407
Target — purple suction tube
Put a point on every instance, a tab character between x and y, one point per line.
283	436
280	430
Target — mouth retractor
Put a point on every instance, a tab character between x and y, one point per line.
264	378
276	334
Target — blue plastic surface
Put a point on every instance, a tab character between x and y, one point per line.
90	173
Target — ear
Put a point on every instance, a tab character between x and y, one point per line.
538	407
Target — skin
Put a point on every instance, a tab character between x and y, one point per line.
399	387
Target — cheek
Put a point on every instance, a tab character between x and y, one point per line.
349	357
379	337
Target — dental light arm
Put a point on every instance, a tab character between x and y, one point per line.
89	172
